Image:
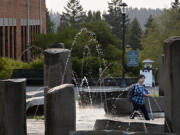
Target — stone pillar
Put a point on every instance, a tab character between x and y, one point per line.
161	75
60	110
57	67
172	83
57	70
12	107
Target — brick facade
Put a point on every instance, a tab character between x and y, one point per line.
13	26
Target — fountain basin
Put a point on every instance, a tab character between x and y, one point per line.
113	132
121	106
97	95
131	127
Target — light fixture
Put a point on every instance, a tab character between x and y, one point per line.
123	9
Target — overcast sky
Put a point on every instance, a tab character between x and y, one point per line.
58	5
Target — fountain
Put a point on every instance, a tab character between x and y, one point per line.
100	92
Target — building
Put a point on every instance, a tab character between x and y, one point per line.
20	20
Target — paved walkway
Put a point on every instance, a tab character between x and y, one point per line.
86	118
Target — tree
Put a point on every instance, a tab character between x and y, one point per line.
93	16
148	24
176	4
73	15
163	27
114	17
49	23
135	33
89	16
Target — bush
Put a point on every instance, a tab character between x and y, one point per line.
8	65
37	63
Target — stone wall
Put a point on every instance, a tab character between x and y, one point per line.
171	84
121	106
60	110
13	107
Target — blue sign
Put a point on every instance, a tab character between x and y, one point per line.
133	58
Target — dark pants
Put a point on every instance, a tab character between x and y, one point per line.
143	109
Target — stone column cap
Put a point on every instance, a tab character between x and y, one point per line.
172	39
14	80
60	87
55	50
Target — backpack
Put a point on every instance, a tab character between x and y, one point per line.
131	92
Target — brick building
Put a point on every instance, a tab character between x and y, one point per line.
19	21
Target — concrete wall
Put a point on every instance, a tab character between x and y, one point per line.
161	75
172	83
120	106
60	110
12	107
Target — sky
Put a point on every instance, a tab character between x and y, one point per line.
102	5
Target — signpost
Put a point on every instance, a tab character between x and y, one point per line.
133	58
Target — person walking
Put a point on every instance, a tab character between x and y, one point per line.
138	99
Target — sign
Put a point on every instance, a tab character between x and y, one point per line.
148	77
133	58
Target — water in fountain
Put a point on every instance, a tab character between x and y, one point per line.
101	70
87	53
89	89
14	67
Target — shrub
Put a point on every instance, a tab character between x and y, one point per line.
37	63
7	65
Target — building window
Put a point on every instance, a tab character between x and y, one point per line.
6	41
10	41
1	42
25	43
31	34
15	56
22	41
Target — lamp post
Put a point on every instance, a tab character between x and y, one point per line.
123	5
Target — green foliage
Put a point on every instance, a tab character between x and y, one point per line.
148	24
103	33
176	4
73	15
114	69
163	27
93	16
37	63
8	65
155	95
114	17
112	53
49	23
43	41
134	35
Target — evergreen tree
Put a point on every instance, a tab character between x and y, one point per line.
148	24
93	16
49	23
135	33
176	4
73	15
114	17
89	16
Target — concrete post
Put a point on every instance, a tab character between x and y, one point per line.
60	110
12	107
57	67
172	83
57	70
161	75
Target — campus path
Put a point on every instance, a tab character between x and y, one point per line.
86	118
